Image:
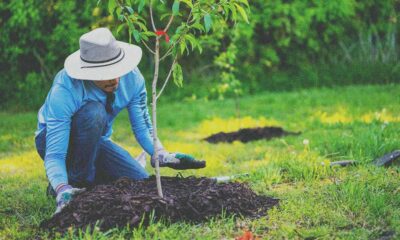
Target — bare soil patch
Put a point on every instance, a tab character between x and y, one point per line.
249	134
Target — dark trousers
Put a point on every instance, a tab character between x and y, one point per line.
91	158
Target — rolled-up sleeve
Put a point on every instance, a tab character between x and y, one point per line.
60	110
139	115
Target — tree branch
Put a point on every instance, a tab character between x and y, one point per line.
167	53
151	17
167	78
169	23
190	15
170	49
43	67
148	48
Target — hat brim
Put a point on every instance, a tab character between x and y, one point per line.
132	57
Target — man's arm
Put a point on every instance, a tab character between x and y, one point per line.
60	109
139	115
141	126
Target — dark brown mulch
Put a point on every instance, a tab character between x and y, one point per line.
249	134
185	199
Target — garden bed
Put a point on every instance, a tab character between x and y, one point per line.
128	202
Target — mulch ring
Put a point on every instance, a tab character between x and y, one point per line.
127	202
249	134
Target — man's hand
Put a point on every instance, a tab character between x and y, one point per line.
177	161
65	195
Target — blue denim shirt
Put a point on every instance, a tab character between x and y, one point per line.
68	95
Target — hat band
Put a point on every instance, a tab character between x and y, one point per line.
94	64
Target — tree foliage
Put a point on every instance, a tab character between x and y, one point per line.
35	38
279	48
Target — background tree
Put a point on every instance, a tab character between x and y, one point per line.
287	45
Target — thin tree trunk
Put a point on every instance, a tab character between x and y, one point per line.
154	115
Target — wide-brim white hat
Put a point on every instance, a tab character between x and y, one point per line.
102	57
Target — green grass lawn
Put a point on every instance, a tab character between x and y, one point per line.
317	202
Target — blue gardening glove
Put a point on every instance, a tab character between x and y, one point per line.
177	161
65	195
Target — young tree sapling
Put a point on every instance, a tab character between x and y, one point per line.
188	19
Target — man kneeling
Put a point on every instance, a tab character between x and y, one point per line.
75	122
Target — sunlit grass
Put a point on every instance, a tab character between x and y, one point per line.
317	201
341	115
383	116
28	163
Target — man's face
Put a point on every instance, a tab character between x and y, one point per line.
107	85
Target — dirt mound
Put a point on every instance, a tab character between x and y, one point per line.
249	134
130	202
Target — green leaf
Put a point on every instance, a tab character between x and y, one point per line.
178	75
117	12
149	34
141	25
182	46
130	34
245	2
130	25
175	8
174	51
192	40
174	38
198	26
165	15
233	11
180	29
226	12
131	29
141	5
136	35
112	4
144	37
120	27
200	48
242	12
138	17
129	9
188	2
207	22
